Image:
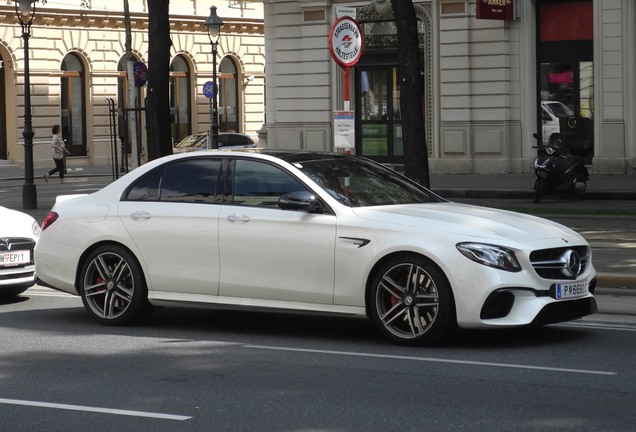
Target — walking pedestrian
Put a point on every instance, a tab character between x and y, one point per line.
57	150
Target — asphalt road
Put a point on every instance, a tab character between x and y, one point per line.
201	370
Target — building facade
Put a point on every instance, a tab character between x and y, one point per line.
489	83
77	52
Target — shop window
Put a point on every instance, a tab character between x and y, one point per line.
565	58
73	105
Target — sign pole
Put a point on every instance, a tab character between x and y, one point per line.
347	100
345	45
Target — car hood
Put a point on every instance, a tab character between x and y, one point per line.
468	221
16	224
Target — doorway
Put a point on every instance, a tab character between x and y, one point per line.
378	117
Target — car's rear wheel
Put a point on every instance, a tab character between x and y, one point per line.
112	286
411	301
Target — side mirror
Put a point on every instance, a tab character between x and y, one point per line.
300	201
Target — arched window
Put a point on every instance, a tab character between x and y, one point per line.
73	105
229	113
180	99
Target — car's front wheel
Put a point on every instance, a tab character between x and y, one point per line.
112	286
411	301
540	188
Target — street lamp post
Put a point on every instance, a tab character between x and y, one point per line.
214	24
25	10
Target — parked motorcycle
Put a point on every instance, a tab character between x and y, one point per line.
559	173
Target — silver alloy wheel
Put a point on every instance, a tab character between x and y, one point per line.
108	285
407	300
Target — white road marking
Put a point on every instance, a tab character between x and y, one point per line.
93	409
615	327
429	359
41	291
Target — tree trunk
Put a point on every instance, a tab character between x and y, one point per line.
158	130
411	93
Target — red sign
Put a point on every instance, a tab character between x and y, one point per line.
579	17
496	9
345	41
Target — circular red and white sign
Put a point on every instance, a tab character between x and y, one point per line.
345	41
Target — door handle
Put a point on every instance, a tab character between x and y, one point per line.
140	215
238	218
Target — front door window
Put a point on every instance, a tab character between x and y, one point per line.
379	119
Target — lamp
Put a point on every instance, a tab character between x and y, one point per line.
25	10
214	24
248	79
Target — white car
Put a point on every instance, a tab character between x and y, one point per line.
310	232
19	233
552	112
227	140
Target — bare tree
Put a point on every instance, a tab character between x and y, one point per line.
411	93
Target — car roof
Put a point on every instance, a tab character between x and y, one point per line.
288	155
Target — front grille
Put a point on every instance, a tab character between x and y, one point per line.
12	276
553	263
566	311
8	244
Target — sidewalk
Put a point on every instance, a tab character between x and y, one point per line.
606	217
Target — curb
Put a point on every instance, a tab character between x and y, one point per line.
529	194
622	282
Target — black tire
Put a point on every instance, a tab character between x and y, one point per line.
411	301
113	288
540	186
580	194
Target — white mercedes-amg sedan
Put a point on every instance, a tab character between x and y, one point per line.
19	233
310	232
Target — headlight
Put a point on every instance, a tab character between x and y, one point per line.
36	229
490	255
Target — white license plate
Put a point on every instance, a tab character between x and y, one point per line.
13	258
571	290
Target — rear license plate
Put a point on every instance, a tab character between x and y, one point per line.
14	258
571	290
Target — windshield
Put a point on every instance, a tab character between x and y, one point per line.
192	141
560	110
358	182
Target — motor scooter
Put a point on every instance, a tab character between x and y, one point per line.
558	173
